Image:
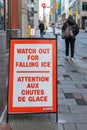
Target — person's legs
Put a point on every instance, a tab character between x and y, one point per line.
41	33
72	45
67	47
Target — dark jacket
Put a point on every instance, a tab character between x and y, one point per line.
71	22
41	26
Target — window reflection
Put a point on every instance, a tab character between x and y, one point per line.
1	14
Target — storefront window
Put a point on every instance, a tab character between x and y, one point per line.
1	14
84	6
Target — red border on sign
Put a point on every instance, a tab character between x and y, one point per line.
15	110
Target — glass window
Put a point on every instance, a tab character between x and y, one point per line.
1	14
84	6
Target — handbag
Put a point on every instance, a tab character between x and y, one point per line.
68	33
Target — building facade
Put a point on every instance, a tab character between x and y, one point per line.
59	18
52	7
17	14
2	18
15	17
33	13
59	7
64	9
36	14
81	7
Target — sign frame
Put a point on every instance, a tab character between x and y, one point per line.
16	110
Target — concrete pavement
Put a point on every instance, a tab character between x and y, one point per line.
3	73
72	95
72	86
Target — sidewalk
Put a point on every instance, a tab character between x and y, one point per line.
5	127
72	94
4	60
72	90
72	97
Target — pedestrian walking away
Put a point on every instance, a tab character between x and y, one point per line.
42	28
70	40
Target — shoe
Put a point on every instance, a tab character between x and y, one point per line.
66	58
71	59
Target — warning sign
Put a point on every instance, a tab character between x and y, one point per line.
32	78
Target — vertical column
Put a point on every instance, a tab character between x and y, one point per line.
15	14
13	17
24	18
13	9
9	4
